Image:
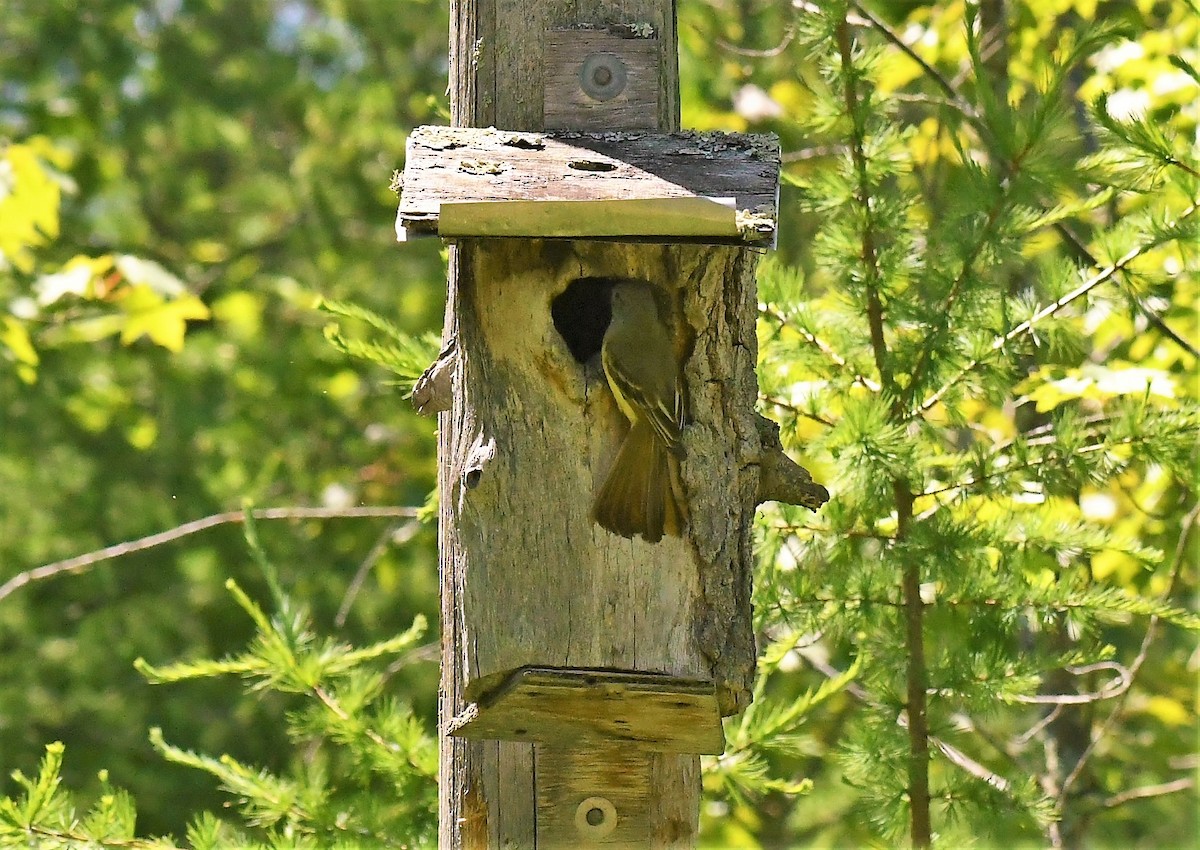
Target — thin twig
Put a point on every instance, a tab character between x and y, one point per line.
955	755
1149	791
820	344
1143	652
396	535
1119	685
1022	740
420	655
813	152
791	408
80	563
956	99
1049	310
789	36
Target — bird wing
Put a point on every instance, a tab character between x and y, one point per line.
665	414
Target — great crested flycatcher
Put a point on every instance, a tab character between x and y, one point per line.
643	494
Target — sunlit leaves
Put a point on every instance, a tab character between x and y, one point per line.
29	198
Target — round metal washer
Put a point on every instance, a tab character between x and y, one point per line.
602	76
595	818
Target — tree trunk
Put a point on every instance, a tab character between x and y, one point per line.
526	577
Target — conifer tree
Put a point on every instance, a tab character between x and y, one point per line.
935	361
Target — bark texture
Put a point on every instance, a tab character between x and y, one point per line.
527	578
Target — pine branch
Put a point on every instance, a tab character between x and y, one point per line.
952	753
957	100
1026	326
81	563
921	829
1109	600
70	838
822	346
869	254
1035	463
964	107
1110	721
388	748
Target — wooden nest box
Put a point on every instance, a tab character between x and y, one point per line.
594	654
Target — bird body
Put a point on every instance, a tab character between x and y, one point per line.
642	493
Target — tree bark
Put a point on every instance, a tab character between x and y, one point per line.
526	577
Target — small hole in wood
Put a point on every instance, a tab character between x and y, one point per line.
590	165
471	478
581	314
595	818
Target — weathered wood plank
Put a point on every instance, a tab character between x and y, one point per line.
588	707
664	187
593	796
567	104
501	45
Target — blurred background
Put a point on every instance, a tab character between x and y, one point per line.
231	160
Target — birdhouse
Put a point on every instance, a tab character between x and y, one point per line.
600	456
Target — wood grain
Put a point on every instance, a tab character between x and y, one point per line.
567	104
590	707
529	435
644	186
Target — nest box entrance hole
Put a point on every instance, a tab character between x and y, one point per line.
581	314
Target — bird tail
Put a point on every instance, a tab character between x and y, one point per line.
643	493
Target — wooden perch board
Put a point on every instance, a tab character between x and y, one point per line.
566	707
715	188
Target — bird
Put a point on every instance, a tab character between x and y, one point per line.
642	493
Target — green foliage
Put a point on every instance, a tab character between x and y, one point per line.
403	354
246	149
979	330
960	368
45	816
367	778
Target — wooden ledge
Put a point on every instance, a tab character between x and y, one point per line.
714	188
567	707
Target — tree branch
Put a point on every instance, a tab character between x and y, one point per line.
396	535
1049	310
1177	563
1149	791
81	563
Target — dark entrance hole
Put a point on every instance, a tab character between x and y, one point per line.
581	314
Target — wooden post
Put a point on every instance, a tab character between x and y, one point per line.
572	658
